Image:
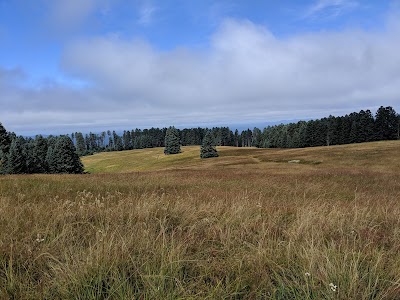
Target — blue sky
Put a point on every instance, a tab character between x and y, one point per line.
85	65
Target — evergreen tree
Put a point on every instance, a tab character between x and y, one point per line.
172	144
207	148
386	123
39	154
16	162
127	139
366	133
354	133
28	147
63	157
102	140
236	138
110	141
5	143
80	144
256	138
5	140
51	163
398	126
118	144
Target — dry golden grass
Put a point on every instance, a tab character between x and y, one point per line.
247	225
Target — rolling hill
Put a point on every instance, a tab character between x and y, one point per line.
377	156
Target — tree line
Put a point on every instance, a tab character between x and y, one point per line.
54	154
90	143
352	128
60	154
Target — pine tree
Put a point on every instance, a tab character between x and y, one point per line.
16	162
236	138
39	153
118	144
386	123
50	159
207	148
127	139
256	137
5	143
28	150
80	144
366	133
63	157
5	140
398	126
172	141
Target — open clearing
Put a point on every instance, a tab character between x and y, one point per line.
245	225
378	156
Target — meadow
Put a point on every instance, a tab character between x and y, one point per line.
314	223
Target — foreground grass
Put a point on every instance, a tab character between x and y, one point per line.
247	225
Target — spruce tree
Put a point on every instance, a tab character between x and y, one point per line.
50	159
5	140
28	150
386	123
5	143
65	158
39	154
172	143
80	144
207	148
16	162
118	144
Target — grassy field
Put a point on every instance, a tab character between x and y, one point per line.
245	225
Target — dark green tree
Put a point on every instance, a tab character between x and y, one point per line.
207	148
63	157
256	137
172	142
127	139
5	140
28	147
39	154
398	126
51	163
118	143
236	138
366	133
5	143
80	144
386	123
16	162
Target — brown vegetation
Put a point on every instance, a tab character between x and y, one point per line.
246	225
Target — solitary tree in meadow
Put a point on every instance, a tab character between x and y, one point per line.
207	148
172	142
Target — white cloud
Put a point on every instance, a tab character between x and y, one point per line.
247	74
146	14
331	8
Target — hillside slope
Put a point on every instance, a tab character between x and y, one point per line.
377	156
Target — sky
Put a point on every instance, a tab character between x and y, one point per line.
94	65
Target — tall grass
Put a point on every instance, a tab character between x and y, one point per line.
242	233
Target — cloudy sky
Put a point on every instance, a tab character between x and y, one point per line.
68	65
